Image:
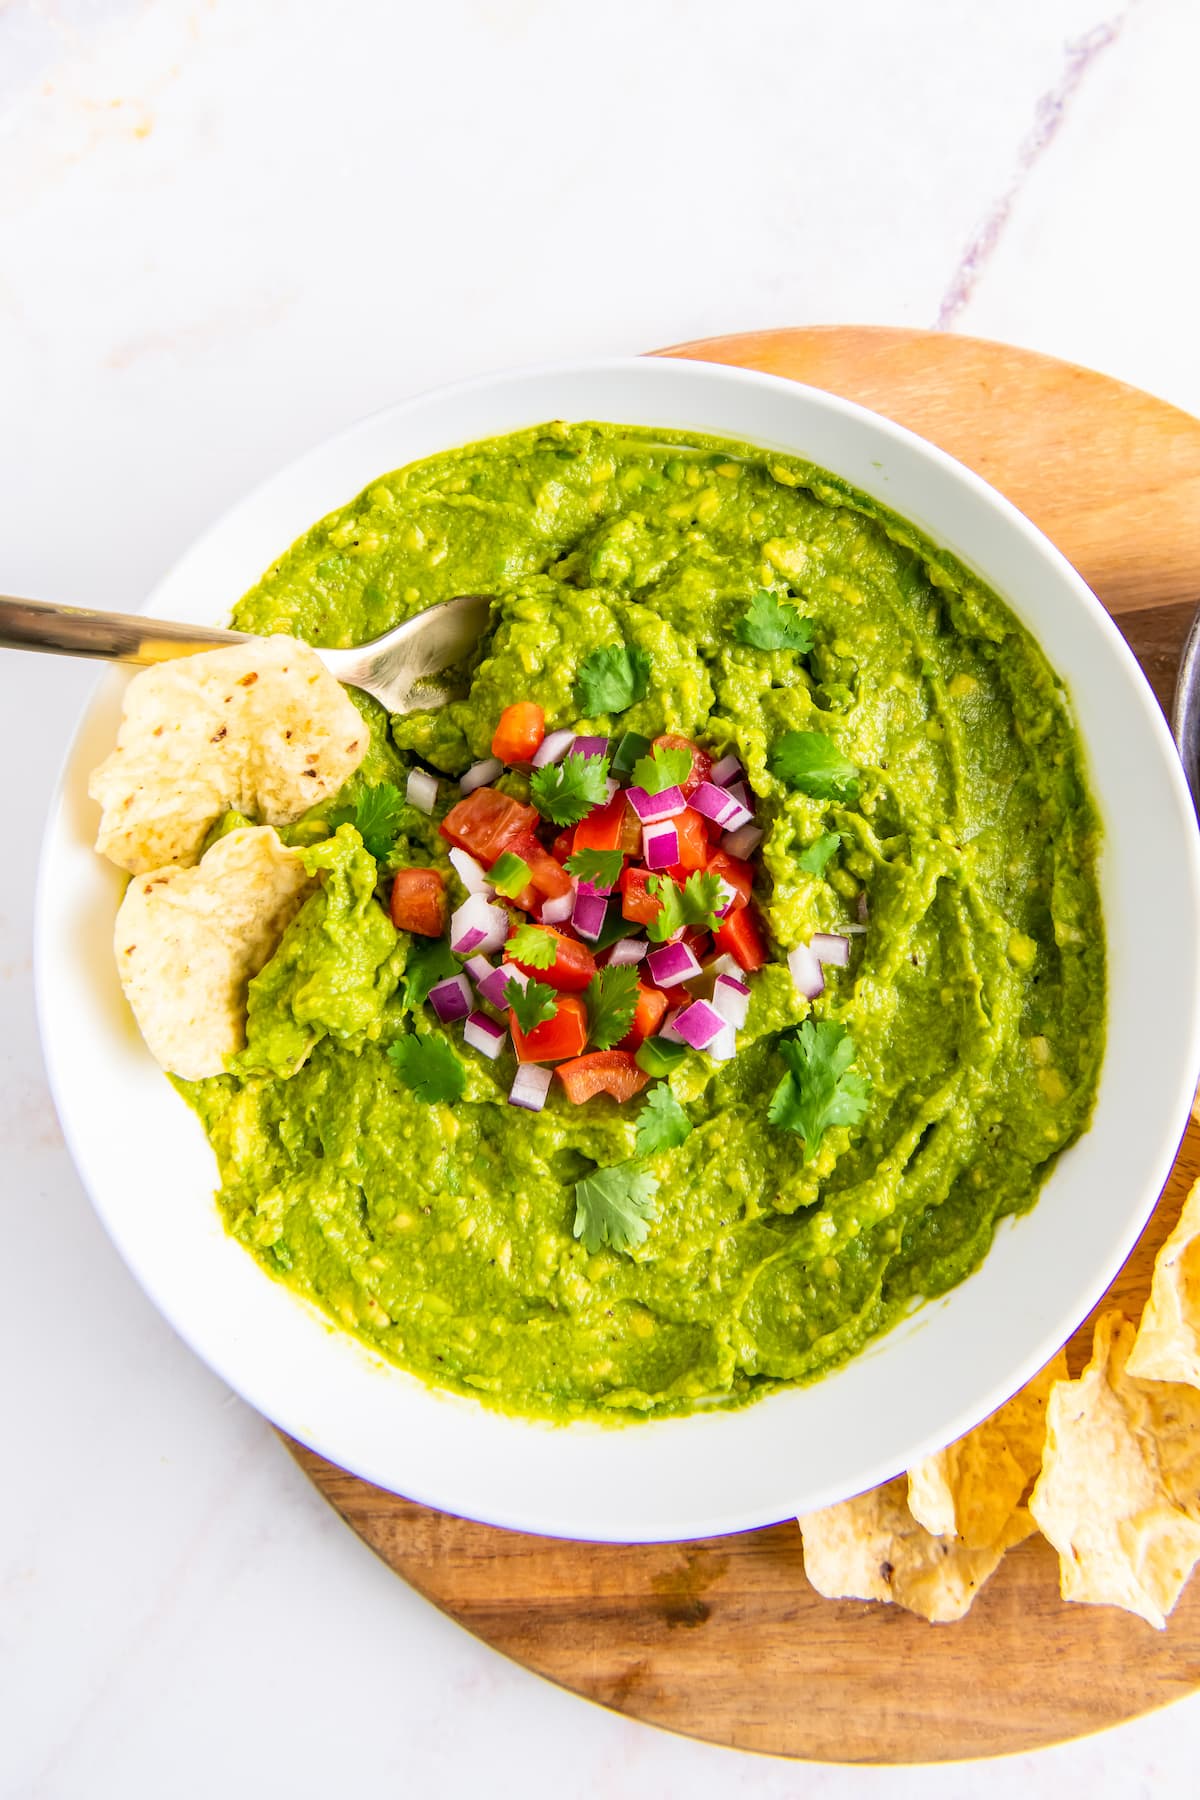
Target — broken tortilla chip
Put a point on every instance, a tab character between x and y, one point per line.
971	1489
187	942
1119	1492
871	1548
260	728
1167	1347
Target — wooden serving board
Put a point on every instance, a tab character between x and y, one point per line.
725	1639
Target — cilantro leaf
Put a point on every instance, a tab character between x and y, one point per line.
771	624
819	1089
429	960
662	1124
665	767
532	944
615	1206
601	867
611	1002
532	1004
509	874
563	792
813	859
377	817
693	904
612	679
425	1063
813	764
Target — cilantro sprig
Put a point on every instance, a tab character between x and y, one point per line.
616	1207
811	763
612	679
532	1004
666	766
695	903
772	624
601	867
563	792
662	1123
429	961
611	997
425	1063
814	858
377	816
820	1089
532	944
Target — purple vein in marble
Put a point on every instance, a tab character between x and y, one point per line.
1048	119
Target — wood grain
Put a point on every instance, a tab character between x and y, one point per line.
725	1639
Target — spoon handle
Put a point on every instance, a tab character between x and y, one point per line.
111	637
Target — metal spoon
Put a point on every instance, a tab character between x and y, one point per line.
397	668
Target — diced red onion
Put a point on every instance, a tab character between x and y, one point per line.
698	1024
478	926
556	910
668	1030
589	912
484	1034
725	965
713	802
732	1000
660	845
626	951
650	808
828	947
743	842
481	773
451	999
727	770
612	787
530	1086
806	972
553	748
469	872
421	790
478	968
737	790
729	897
590	746
738	816
671	963
492	987
863	909
724	1046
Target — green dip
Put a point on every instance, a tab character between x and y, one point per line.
442	1236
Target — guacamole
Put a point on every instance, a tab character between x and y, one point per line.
963	870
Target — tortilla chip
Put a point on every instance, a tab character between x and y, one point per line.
1168	1339
261	728
188	941
1119	1492
971	1489
871	1548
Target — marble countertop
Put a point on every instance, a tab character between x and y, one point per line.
228	227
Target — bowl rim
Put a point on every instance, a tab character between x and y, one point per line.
630	1520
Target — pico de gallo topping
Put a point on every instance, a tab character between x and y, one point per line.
610	923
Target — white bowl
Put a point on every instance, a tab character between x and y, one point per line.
146	1164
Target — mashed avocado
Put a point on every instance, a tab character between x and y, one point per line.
442	1235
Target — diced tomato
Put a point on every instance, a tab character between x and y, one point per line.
647	1016
419	902
486	822
561	848
603	1072
563	1035
738	874
572	968
637	904
701	767
548	877
519	733
613	826
740	936
693	840
696	940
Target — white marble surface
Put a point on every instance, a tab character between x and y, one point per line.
227	228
